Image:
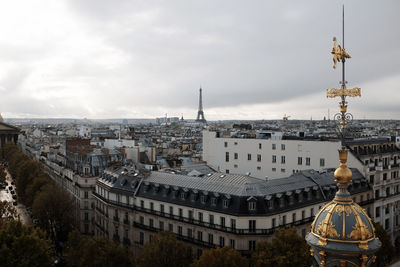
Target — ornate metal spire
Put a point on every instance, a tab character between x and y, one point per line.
342	234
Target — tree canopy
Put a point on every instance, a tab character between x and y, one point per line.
165	251
54	209
221	257
286	248
97	251
21	245
387	251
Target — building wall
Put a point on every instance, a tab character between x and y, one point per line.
216	150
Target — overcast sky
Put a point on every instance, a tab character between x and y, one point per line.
142	59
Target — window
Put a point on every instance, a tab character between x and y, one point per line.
299	160
142	204
308	161
248	156
283	170
283	147
293	217
151	223
141	238
284	219
312	212
210	239
258	168
161	225
232	243
225	144
222	221
252	245
227	156
235	156
235	166
274	169
387	191
200	217
273	158
322	162
386	224
384	176
252	225
86	194
171	210
171	227
252	205
190	214
377	193
151	206
180	212
203	199
162	208
258	157
182	195
233	223
190	232
199	235
273	146
221	241
387	209
371	179
141	220
225	203
213	201
179	230
227	171
259	145
273	222
211	218
283	159
377	212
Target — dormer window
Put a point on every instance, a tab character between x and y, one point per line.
225	203
203	199
183	196
252	205
213	201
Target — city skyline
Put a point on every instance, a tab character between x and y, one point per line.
101	60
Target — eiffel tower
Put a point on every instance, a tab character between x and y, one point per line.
200	113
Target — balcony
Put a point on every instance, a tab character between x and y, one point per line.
246	231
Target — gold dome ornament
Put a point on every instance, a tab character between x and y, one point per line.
342	234
343	174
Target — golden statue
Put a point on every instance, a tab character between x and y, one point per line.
338	53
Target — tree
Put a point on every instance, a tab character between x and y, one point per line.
35	187
7	211
27	171
23	246
165	251
221	257
287	248
3	174
54	209
387	251
97	251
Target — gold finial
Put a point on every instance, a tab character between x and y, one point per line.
338	53
343	174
